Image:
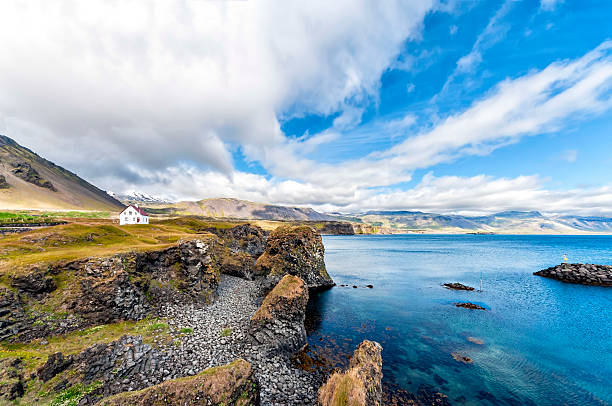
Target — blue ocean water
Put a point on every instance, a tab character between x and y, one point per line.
544	342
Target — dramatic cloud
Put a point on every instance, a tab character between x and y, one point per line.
106	86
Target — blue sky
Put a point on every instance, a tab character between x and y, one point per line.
445	106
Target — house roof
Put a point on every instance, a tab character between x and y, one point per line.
138	209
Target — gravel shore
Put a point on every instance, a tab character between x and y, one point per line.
218	334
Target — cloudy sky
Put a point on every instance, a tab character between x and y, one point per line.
445	106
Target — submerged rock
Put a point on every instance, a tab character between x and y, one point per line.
468	305
232	384
461	358
457	286
584	274
295	250
361	384
278	324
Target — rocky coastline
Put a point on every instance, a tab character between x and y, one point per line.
221	316
583	274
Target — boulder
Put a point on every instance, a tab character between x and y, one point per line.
240	264
468	305
457	286
232	384
278	324
361	384
295	250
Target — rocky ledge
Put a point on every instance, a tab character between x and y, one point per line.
232	384
584	274
361	384
278	325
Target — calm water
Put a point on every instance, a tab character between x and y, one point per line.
545	342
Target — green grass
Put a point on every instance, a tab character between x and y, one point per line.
226	332
72	395
25	217
186	330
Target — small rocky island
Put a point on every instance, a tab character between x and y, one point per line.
583	274
214	317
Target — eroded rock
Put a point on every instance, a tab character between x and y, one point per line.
468	305
457	286
584	274
295	250
361	384
233	384
278	324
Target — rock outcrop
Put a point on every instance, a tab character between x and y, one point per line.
278	325
361	384
584	274
469	305
337	228
233	384
104	290
239	249
295	251
457	286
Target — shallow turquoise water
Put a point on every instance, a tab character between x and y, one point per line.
545	342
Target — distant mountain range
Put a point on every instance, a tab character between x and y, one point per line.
28	181
243	209
137	197
530	222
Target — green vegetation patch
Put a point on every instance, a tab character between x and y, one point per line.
226	332
72	395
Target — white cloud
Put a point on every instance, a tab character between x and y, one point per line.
96	85
453	29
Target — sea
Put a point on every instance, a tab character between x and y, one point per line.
539	341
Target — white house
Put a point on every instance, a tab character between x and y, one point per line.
133	215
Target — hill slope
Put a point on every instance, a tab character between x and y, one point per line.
243	209
531	222
28	181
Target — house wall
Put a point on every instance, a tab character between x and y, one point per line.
135	218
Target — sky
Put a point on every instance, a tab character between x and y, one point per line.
465	107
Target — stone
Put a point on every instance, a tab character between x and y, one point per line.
278	324
295	250
461	358
55	364
468	305
584	274
361	384
232	384
457	286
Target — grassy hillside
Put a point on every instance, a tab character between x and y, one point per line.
28	181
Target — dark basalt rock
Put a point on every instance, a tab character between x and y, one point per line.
240	264
34	283
468	305
461	358
278	325
55	364
295	251
13	319
232	384
361	384
25	171
3	183
583	274
457	286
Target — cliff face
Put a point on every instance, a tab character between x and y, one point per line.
104	290
278	325
361	384
295	251
233	384
584	274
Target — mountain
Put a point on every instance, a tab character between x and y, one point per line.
28	181
243	209
529	222
138	197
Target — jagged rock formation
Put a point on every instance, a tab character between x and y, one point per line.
25	171
241	246
584	274
295	251
3	183
103	290
457	286
361	384
337	228
233	384
278	325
